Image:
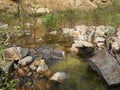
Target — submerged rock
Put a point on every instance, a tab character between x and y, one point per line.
107	66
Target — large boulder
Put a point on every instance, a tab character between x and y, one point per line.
15	53
107	66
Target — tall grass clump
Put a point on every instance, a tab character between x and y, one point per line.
51	22
108	15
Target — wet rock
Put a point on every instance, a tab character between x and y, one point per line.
106	66
50	53
59	76
25	61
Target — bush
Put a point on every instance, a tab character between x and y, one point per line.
51	22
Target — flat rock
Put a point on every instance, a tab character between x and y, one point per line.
25	61
106	66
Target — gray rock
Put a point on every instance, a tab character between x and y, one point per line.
22	51
25	61
106	66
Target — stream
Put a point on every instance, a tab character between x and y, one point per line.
81	76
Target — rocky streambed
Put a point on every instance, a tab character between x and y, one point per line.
30	67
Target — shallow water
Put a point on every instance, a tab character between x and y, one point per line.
81	76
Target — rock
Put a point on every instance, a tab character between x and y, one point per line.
115	45
17	27
25	61
5	26
83	43
118	32
36	62
83	37
22	51
29	73
29	24
59	76
50	53
11	54
69	31
33	52
42	10
99	39
20	72
9	67
100	45
33	67
103	30
106	66
74	49
42	67
15	53
82	29
27	32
